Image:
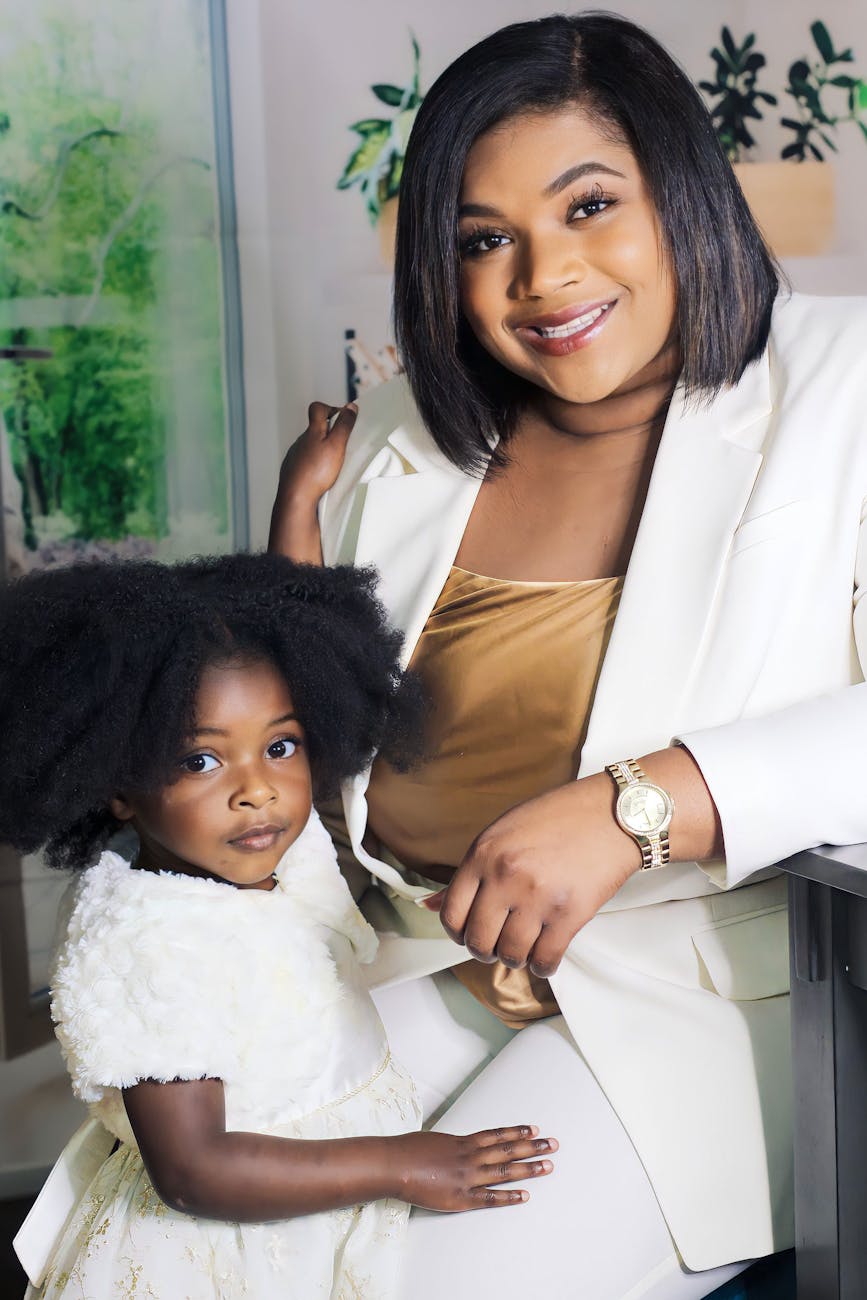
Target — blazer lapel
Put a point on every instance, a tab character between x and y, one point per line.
411	525
705	469
415	509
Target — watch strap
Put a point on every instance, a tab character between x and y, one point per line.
626	772
655	849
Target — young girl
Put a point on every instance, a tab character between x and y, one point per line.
207	995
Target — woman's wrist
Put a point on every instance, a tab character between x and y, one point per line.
695	833
598	793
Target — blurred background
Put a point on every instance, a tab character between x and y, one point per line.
196	206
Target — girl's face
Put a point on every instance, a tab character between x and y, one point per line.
242	792
563	279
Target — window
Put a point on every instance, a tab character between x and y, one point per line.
121	403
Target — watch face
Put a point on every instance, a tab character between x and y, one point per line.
643	808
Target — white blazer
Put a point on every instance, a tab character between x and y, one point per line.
741	631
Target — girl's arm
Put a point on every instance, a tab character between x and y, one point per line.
309	469
197	1167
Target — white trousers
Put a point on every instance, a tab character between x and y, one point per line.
592	1230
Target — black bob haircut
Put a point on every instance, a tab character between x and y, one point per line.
725	276
100	666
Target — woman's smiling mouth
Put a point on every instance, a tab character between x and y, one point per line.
567	330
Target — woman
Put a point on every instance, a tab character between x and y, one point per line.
615	506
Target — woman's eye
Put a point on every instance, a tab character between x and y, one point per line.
282	748
199	763
482	241
589	206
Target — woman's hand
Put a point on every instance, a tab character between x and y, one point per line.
443	1172
537	874
310	467
540	872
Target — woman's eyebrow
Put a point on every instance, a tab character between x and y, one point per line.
556	187
575	173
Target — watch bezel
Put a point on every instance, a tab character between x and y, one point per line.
638	833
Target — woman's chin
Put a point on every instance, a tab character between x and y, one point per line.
573	391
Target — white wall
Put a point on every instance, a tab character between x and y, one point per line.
38	1113
301	73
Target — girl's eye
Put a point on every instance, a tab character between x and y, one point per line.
199	763
285	747
589	205
480	241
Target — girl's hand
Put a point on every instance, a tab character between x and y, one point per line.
198	1167
310	467
444	1172
542	870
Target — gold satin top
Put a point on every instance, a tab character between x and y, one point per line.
510	670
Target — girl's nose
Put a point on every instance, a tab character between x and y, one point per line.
254	790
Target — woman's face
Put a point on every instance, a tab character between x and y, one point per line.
563	278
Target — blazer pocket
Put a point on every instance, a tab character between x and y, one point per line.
745	957
767	527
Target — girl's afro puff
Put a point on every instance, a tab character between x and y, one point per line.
100	666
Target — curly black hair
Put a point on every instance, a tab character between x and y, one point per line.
100	666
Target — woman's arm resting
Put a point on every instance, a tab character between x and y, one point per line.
793	778
197	1167
542	870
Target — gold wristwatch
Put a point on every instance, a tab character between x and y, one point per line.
643	810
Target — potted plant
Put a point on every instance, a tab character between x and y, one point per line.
808	86
376	164
737	68
738	98
794	205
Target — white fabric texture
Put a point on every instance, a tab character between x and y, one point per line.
593	1229
171	976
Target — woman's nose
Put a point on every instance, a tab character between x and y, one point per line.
546	264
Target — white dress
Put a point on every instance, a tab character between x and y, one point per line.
171	976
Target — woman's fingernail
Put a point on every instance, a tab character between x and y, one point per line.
432	902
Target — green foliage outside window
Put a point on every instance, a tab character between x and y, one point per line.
91	198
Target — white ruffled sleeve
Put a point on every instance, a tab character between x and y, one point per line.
139	985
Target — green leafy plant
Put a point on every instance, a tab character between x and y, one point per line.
87	200
734	87
376	165
809	85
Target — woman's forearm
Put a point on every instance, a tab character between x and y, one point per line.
695	833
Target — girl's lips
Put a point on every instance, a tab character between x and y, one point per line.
258	838
557	336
